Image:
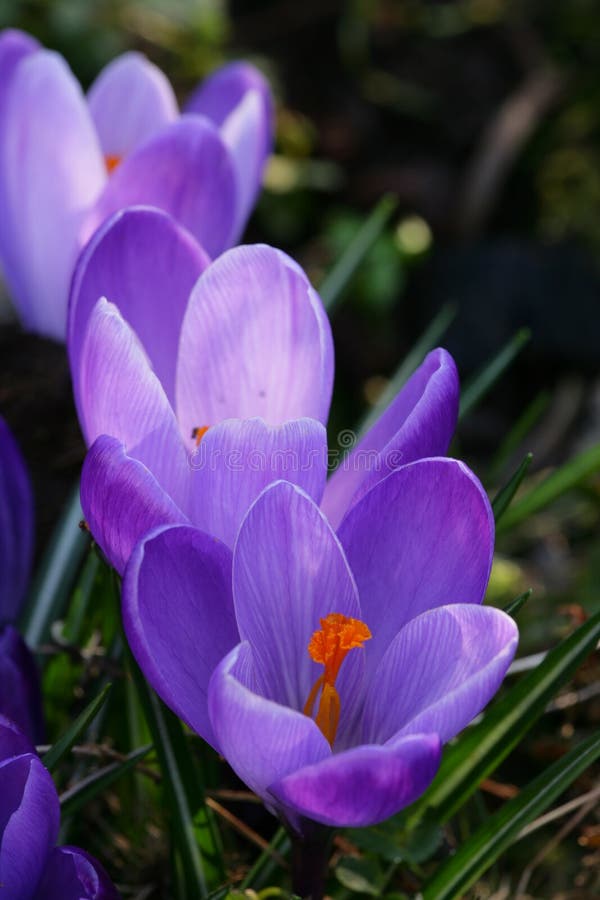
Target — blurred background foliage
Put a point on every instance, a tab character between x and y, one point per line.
482	119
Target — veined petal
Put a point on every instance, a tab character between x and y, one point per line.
219	95
439	672
121	500
255	341
29	820
146	264
261	740
185	170
120	395
289	570
72	874
237	458
51	173
178	617
422	538
130	101
362	786
16	526
419	423
238	98
20	690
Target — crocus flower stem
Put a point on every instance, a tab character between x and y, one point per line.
310	856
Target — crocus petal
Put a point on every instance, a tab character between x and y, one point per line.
16	526
261	740
361	786
51	172
289	571
185	170
219	95
238	99
255	341
130	101
14	46
121	500
29	820
439	672
120	395
178	617
236	459
418	423
146	264
20	692
72	874
422	538
12	740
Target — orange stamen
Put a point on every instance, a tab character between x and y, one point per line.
329	646
198	433
111	162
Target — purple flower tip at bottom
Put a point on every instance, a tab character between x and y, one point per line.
31	866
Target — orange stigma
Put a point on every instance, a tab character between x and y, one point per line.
111	162
329	646
198	433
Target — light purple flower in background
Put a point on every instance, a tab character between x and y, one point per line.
31	866
67	163
20	698
245	339
350	732
241	346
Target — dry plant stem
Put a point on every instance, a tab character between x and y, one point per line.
245	831
554	842
310	857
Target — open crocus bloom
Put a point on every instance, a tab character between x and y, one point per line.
67	162
20	698
327	669
237	352
190	347
31	866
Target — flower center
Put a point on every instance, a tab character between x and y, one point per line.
111	162
198	433
329	646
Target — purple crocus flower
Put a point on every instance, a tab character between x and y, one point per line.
20	698
67	163
328	670
246	339
31	866
241	347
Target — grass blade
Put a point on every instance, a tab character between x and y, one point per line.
484	847
560	481
512	608
72	800
518	433
483	747
428	340
195	833
264	866
56	574
83	720
478	386
333	285
503	498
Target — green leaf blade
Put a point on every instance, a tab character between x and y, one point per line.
81	723
484	847
334	284
72	800
194	831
